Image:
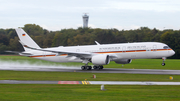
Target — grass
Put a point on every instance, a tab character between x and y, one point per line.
75	76
87	93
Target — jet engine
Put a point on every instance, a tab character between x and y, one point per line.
123	61
101	59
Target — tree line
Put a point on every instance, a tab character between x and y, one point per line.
87	36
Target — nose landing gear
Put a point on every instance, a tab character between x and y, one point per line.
163	58
163	64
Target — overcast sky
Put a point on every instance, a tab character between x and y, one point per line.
120	14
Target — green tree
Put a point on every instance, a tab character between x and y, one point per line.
3	48
33	29
4	39
14	45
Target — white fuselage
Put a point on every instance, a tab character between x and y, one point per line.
121	51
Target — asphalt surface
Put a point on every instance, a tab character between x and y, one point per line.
89	82
105	70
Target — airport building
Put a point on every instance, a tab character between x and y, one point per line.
85	20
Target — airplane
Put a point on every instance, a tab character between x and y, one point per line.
98	55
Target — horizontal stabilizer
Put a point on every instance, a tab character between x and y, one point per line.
12	52
20	53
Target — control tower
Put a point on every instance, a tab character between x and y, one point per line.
85	20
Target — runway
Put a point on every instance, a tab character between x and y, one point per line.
89	82
77	69
105	70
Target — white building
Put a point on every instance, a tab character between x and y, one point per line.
85	20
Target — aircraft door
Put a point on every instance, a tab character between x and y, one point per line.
148	49
154	48
44	54
124	49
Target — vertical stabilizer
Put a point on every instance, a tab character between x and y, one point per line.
26	39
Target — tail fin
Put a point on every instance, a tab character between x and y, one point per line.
26	39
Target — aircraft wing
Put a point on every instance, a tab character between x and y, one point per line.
69	53
82	55
77	54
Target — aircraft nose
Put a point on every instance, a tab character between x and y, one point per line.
172	52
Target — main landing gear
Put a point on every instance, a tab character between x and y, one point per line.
90	67
163	64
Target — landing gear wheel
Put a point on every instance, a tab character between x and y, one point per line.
163	58
101	67
83	67
163	64
86	67
89	67
95	67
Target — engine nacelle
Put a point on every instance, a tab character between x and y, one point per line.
101	59
123	61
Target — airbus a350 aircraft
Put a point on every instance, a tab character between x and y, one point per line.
99	55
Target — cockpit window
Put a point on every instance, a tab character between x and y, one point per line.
166	47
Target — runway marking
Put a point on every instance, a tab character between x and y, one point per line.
68	82
85	82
